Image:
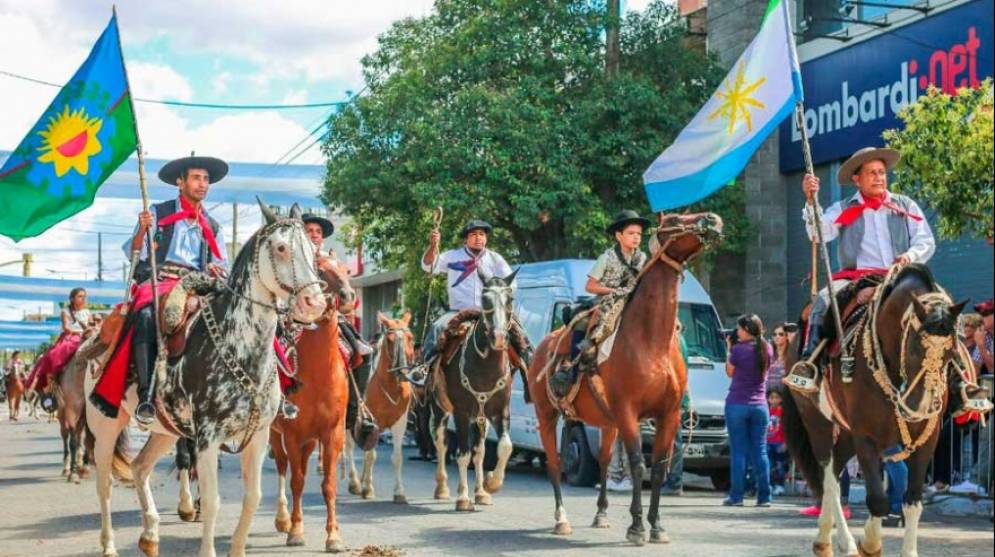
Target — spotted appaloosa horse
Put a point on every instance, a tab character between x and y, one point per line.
387	399
644	377
322	400
228	374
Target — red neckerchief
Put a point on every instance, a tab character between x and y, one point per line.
188	211
851	214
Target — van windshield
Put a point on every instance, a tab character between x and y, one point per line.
701	331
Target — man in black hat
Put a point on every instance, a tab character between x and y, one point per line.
186	238
611	279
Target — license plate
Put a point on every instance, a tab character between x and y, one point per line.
694	451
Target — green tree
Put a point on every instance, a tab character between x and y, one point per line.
947	158
503	110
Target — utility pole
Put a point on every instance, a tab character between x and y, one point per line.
100	256
612	46
28	258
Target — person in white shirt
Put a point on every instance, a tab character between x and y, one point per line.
461	266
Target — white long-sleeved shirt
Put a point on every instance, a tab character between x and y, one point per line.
876	251
465	294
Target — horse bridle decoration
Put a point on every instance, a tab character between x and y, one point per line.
399	356
487	328
705	234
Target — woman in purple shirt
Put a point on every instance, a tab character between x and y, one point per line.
746	409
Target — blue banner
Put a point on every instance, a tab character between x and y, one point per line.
853	94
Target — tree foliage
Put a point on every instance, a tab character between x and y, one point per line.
947	158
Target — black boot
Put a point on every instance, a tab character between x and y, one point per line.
352	337
144	359
562	380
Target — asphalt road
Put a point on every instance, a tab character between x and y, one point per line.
42	515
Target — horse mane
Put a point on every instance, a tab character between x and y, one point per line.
913	271
239	275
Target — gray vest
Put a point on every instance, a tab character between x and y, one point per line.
848	246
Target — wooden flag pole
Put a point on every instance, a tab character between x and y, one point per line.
815	221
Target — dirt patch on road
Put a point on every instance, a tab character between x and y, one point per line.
378	551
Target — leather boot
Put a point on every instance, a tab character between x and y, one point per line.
144	360
563	379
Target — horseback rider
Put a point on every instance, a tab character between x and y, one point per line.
611	279
186	238
318	229
461	266
876	229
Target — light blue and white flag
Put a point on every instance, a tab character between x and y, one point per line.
760	91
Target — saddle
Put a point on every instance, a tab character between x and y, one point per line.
560	356
851	312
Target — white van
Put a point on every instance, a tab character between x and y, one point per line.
543	290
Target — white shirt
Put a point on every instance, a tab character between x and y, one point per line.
466	293
875	247
82	319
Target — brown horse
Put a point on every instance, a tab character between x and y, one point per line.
643	377
387	399
322	400
71	411
15	392
905	347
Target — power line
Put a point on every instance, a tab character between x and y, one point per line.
220	106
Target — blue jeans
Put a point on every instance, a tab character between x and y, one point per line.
747	426
898	482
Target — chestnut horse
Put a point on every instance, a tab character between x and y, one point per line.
643	377
387	399
906	345
15	392
322	400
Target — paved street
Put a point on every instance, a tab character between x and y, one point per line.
41	515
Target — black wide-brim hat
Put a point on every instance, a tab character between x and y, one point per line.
625	218
171	171
327	228
475	224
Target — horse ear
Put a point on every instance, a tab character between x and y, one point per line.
480	274
383	319
920	309
268	215
295	211
407	318
511	278
957	308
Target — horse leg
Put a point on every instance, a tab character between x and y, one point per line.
547	432
912	505
141	468
65	450
282	520
877	500
330	453
185	508
207	476
629	431
397	432
663	454
252	490
608	435
441	478
480	495
105	431
369	459
495	478
300	454
463	456
349	461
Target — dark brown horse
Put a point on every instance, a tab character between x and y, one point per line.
644	377
387	399
905	347
15	392
322	400
475	388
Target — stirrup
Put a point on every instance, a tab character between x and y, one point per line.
145	413
795	381
289	410
418	374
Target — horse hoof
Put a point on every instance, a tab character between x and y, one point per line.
659	536
865	553
600	521
464	505
65	472
368	493
334	546
822	549
442	493
295	540
400	500
482	499
84	473
563	529
637	537
492	484
73	478
354	488
282	524
149	547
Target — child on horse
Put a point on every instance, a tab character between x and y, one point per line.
876	229
76	321
611	279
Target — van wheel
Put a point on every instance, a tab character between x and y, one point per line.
579	466
720	479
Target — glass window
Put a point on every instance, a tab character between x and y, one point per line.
701	331
533	309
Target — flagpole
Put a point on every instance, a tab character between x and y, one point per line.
815	221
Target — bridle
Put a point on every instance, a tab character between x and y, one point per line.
398	354
486	321
705	234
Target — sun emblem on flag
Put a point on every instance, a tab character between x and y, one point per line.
737	100
70	140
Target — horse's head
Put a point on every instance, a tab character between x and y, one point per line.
397	341
495	304
681	238
336	277
283	261
937	314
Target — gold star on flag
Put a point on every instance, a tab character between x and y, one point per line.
737	99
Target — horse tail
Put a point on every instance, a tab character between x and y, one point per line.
121	463
800	445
